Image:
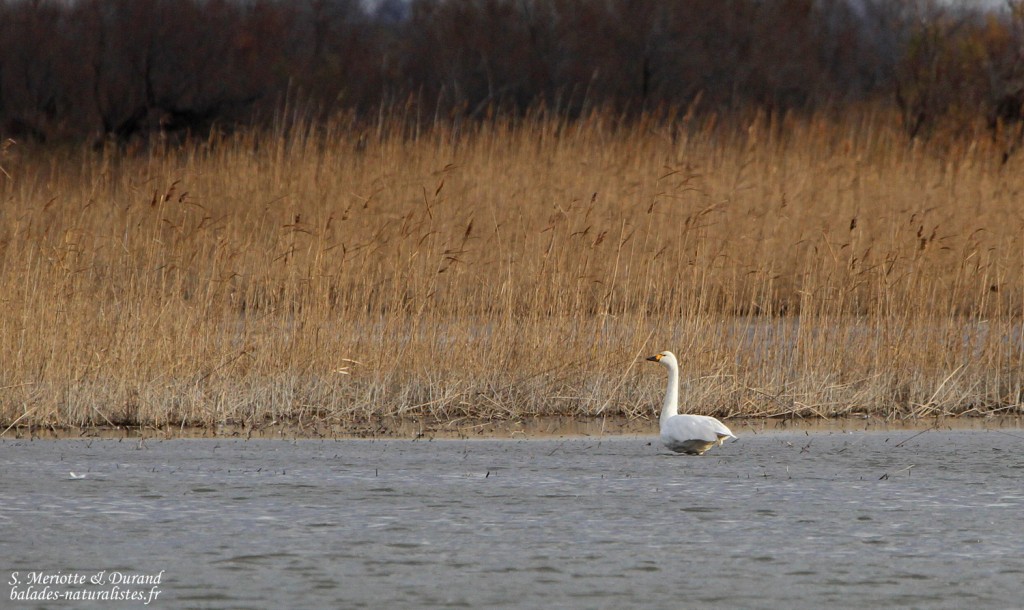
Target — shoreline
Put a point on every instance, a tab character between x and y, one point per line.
525	428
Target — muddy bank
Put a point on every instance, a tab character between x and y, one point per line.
467	428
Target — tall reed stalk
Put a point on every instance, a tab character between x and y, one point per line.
338	273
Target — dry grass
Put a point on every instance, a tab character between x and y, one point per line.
509	270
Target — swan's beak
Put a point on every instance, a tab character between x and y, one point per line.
655	358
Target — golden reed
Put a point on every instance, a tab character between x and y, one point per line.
508	269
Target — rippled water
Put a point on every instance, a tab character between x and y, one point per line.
870	519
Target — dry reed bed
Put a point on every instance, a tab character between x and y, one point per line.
512	269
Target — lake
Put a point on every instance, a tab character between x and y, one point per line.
792	519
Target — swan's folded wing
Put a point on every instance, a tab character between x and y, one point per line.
691	427
719	427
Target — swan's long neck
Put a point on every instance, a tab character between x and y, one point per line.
671	405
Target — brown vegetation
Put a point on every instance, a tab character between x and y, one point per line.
133	70
511	268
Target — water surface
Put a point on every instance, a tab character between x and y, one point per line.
794	519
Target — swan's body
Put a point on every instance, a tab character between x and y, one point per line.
692	434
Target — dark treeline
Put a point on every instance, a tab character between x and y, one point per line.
126	69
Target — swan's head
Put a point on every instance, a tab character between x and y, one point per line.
665	359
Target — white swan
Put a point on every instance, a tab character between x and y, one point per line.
693	434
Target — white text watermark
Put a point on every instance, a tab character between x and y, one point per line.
61	586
